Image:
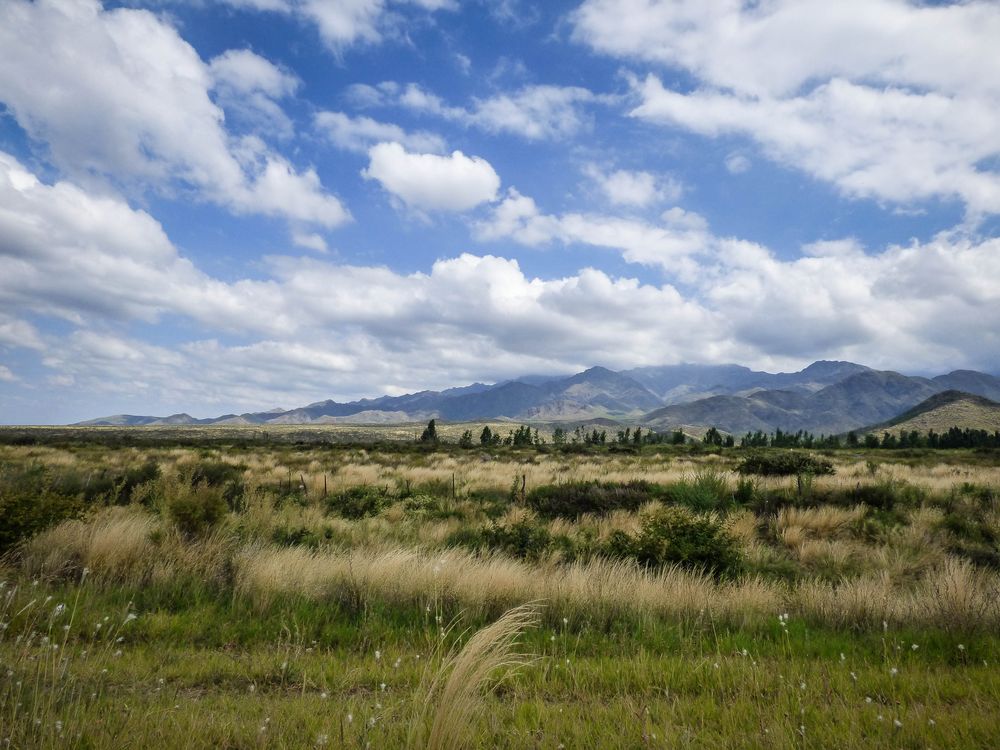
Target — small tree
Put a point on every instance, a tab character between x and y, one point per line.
712	437
429	435
466	440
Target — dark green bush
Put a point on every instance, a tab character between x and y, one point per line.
784	464
360	502
30	502
227	476
573	499
707	491
196	510
670	537
524	539
886	494
301	536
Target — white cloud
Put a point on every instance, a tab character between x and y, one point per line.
342	23
246	72
361	133
310	241
68	254
869	95
18	333
891	144
640	189
538	112
101	265
737	163
138	113
248	87
670	245
431	182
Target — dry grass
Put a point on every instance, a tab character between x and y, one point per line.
405	577
124	546
822	522
453	695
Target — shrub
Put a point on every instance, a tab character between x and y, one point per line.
360	502
783	464
196	510
576	498
707	491
670	537
524	539
29	503
225	475
886	494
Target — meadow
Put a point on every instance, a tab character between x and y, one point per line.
239	591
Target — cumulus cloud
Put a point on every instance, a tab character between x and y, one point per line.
310	241
342	23
737	163
361	133
538	112
15	332
670	244
139	113
869	95
100	265
623	187
431	182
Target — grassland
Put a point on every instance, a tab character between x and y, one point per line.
246	594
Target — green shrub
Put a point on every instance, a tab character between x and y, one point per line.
360	502
225	475
573	499
707	491
196	510
301	536
524	539
31	500
886	494
783	464
671	537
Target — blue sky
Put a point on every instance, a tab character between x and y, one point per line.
218	206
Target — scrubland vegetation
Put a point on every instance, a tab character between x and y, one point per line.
250	595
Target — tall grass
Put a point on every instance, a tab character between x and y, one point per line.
453	693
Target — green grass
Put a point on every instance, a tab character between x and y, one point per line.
211	672
202	666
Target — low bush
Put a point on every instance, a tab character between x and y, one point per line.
784	464
524	539
31	500
360	502
886	495
671	537
196	510
707	491
573	499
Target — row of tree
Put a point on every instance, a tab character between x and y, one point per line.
524	436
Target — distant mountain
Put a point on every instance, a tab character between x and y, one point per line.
970	381
827	397
676	384
945	410
863	398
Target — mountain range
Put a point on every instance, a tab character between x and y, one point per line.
825	397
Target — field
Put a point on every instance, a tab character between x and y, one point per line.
203	590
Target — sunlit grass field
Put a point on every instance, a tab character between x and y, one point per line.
244	595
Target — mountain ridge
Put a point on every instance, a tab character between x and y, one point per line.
824	397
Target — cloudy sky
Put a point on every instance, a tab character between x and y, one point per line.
225	205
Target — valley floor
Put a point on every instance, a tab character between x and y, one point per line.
281	596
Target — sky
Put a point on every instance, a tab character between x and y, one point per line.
220	206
